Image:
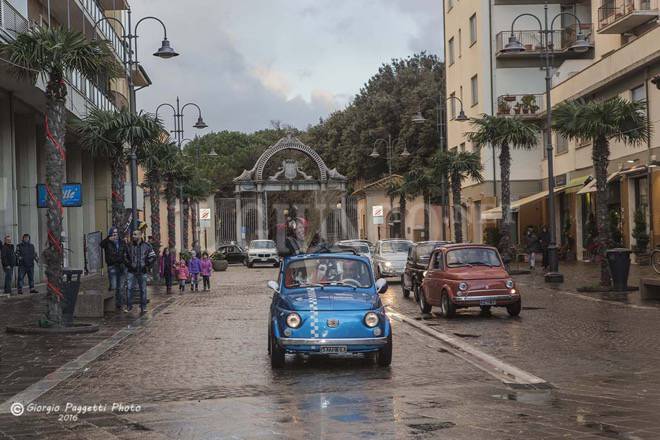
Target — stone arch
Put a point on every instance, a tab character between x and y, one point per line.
289	143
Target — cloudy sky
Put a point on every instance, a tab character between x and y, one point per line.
247	62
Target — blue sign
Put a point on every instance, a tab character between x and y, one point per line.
71	195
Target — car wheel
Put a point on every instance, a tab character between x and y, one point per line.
269	338
485	310
406	292
276	354
514	309
416	291
384	357
249	265
448	308
423	305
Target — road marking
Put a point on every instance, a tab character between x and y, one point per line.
506	373
38	389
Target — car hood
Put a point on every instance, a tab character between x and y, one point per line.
262	251
330	299
477	273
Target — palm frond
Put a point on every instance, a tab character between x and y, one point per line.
502	130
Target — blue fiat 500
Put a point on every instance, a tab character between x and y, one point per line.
328	304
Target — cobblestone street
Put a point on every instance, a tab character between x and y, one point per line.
198	369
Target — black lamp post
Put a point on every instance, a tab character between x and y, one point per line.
131	63
580	45
389	143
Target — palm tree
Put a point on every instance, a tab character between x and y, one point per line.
197	189
599	122
105	134
458	166
50	53
505	133
419	181
175	174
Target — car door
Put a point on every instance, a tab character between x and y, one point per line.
409	272
232	254
434	277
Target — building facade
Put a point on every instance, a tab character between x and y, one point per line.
623	60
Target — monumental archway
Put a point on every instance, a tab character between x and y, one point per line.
252	189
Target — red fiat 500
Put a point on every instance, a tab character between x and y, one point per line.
468	275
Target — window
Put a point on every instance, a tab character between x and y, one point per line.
452	105
450	50
450	4
638	94
474	88
460	43
473	29
462	147
562	144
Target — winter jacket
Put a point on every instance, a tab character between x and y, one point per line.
206	267
139	258
8	255
26	255
544	239
166	261
182	271
531	243
114	251
194	265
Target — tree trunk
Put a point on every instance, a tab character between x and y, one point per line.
427	221
402	212
505	225
170	198
154	200
55	169
118	177
185	206
193	221
601	159
458	215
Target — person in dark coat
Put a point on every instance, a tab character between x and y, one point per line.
138	258
544	241
531	246
8	255
113	249
27	256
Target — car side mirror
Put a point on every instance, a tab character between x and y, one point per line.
381	285
274	286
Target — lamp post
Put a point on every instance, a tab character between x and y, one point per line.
419	118
389	143
131	63
580	45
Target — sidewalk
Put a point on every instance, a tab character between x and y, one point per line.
25	359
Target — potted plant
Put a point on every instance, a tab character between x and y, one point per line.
529	104
219	262
641	237
517	108
503	107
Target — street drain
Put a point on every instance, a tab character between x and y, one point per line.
466	335
430	427
533	308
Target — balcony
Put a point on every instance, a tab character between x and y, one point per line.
105	27
561	39
11	22
620	16
527	106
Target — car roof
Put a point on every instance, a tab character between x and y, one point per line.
389	240
437	242
342	255
466	245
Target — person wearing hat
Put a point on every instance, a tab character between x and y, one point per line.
113	248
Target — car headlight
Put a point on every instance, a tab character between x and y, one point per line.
509	284
293	320
371	319
462	287
388	264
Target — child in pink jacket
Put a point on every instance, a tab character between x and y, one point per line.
206	269
182	273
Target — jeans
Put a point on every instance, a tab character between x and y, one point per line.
182	285
9	274
194	281
532	259
141	280
207	281
115	276
22	271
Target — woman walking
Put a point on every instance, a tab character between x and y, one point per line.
167	268
531	246
206	269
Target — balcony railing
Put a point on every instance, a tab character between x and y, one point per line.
628	13
106	28
524	106
11	21
561	40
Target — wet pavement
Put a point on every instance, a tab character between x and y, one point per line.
199	370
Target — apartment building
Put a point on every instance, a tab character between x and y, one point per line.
22	108
623	59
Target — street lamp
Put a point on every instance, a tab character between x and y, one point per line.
390	150
178	119
131	63
580	45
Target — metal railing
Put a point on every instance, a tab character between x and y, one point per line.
612	11
524	105
106	28
11	21
92	93
532	40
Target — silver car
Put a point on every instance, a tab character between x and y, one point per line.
262	252
360	246
390	257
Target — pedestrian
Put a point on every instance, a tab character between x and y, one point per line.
206	268
195	268
291	242
182	273
8	254
114	249
531	246
138	258
544	241
167	267
26	256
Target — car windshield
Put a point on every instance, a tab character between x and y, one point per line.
327	271
391	247
475	256
360	248
424	250
262	244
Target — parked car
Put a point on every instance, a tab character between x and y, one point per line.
262	252
327	304
468	275
233	253
390	257
416	264
359	246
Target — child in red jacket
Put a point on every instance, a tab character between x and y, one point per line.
182	273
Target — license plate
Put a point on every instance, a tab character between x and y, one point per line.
487	302
337	349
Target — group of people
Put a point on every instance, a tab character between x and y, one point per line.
185	271
23	257
537	243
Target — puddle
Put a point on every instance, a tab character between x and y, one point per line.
466	335
533	397
430	427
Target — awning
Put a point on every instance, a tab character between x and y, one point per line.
591	186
